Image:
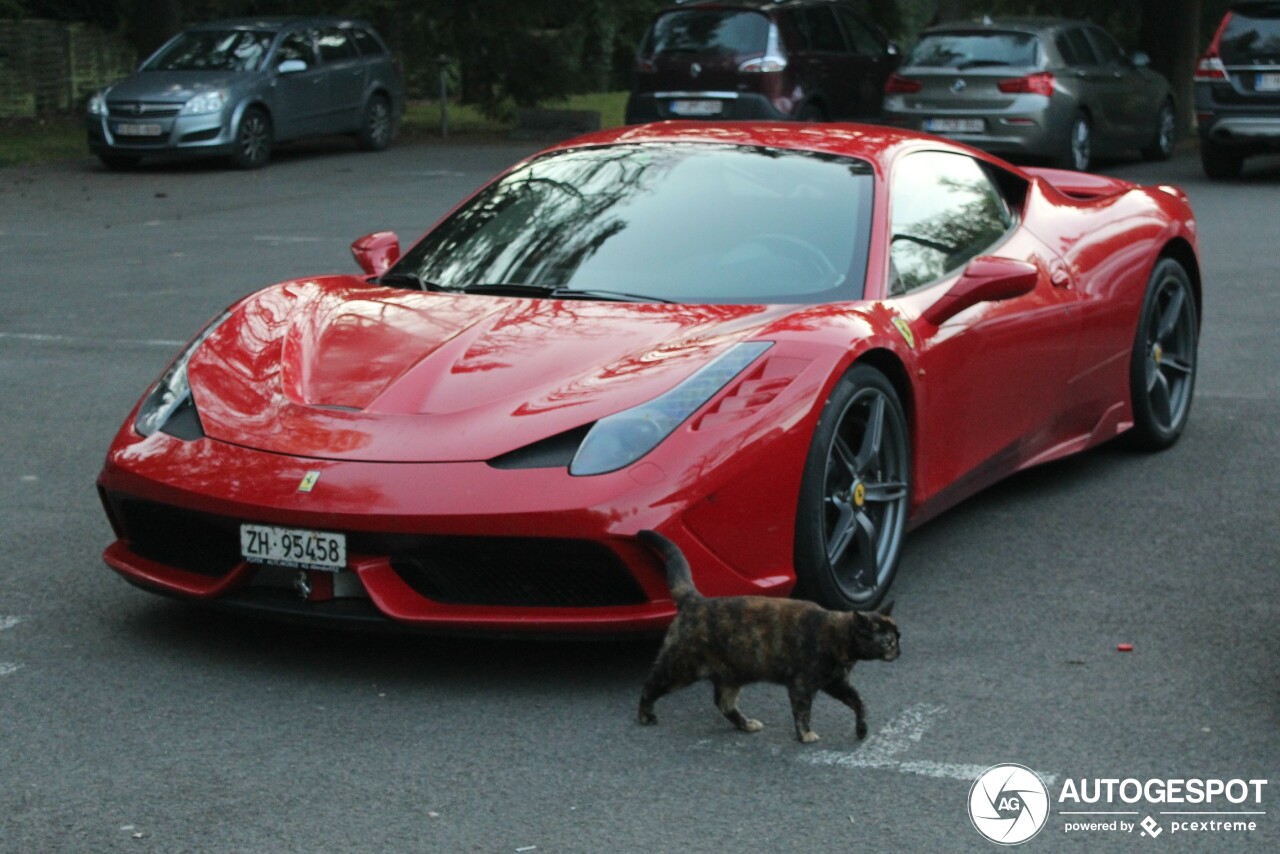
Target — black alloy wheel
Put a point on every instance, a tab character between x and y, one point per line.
1162	370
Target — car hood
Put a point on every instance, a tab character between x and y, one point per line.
339	369
172	86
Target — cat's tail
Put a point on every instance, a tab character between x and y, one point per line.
679	578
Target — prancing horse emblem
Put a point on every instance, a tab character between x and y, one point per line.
309	481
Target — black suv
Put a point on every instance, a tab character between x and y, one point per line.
809	60
1237	85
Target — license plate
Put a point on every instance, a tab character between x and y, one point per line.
696	108
954	125
294	547
138	130
1267	83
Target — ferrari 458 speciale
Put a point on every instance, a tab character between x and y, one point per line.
780	345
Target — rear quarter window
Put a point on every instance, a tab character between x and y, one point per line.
367	42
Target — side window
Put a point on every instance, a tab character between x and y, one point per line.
945	210
296	46
1065	49
801	24
824	30
1080	46
862	40
334	45
1106	46
368	44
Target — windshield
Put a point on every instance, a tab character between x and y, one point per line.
220	50
684	222
1251	35
976	50
708	32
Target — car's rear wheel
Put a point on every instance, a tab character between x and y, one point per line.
1165	135
854	495
1219	163
376	127
1162	369
252	147
1077	151
120	162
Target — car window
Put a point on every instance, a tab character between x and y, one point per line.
221	50
296	45
861	39
1084	52
945	210
706	31
968	49
1066	50
1251	34
367	42
686	222
1108	51
821	30
334	45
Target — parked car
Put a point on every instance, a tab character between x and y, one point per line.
1237	85
809	60
779	345
1033	87
236	88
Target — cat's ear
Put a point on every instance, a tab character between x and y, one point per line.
886	609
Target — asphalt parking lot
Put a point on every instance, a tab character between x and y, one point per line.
134	723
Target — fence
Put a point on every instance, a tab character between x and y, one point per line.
49	67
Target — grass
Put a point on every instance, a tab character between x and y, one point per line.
63	137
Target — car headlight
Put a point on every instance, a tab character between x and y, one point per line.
209	102
624	437
172	391
98	103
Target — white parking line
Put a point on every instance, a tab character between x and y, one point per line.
10	622
886	749
8	667
44	338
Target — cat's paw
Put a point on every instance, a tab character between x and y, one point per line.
752	725
861	730
809	737
647	718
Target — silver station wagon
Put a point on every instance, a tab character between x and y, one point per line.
236	88
1033	87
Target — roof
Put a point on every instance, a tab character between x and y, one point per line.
268	22
1026	24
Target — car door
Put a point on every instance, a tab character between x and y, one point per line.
345	72
1101	88
1131	101
300	91
870	64
995	374
827	68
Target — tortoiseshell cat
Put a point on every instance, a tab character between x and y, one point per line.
736	640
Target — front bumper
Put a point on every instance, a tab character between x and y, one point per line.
431	546
210	134
1029	129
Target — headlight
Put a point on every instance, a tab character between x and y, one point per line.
98	103
172	390
209	102
621	439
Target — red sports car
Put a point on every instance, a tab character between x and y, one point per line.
782	346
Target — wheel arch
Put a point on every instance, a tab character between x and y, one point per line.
1180	250
888	363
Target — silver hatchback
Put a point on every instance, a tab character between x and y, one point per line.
1033	87
235	88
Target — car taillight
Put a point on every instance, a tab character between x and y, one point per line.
645	66
763	65
899	85
1040	83
1209	68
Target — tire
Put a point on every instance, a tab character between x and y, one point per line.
120	162
1220	164
1077	149
854	495
252	147
1165	135
377	126
1162	369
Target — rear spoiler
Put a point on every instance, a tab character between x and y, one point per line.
1080	185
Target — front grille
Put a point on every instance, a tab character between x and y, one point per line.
137	111
517	571
194	542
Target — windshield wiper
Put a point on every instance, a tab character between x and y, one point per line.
412	280
557	292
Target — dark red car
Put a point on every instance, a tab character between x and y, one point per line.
807	60
781	346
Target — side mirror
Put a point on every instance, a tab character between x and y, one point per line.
375	253
985	279
1140	60
291	66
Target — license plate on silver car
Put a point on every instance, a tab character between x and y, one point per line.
1267	83
696	108
954	125
296	547
125	129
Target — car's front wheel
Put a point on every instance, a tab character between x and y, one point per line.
376	127
1162	368
252	148
854	495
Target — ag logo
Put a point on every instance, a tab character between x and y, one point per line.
1008	804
